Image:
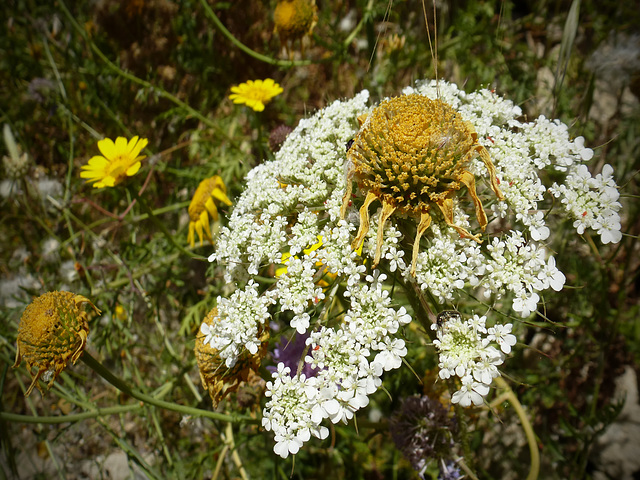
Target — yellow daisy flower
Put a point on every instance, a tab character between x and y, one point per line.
202	205
119	159
255	93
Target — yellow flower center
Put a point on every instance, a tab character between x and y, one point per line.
412	153
119	166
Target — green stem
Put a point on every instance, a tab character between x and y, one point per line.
258	56
76	417
526	425
421	308
121	385
363	20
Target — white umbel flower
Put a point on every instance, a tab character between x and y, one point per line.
290	218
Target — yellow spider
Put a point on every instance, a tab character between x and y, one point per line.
412	153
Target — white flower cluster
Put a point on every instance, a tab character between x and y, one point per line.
466	352
239	320
520	267
288	218
346	375
593	202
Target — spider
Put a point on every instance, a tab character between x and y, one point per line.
411	153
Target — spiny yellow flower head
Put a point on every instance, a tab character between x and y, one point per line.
255	93
120	159
53	330
294	19
202	205
411	153
216	378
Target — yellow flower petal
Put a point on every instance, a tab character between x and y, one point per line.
133	169
98	162
121	146
135	151
108	182
131	145
107	147
220	195
202	205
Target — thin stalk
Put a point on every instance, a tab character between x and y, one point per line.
363	20
71	418
121	385
258	56
534	471
161	226
465	467
227	437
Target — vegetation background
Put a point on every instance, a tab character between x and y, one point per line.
74	72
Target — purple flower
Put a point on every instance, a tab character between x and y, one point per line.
291	351
449	471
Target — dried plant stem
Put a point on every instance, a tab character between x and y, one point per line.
227	437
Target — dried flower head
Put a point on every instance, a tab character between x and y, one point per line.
422	430
255	93
53	331
202	205
121	160
294	19
412	153
277	136
217	378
